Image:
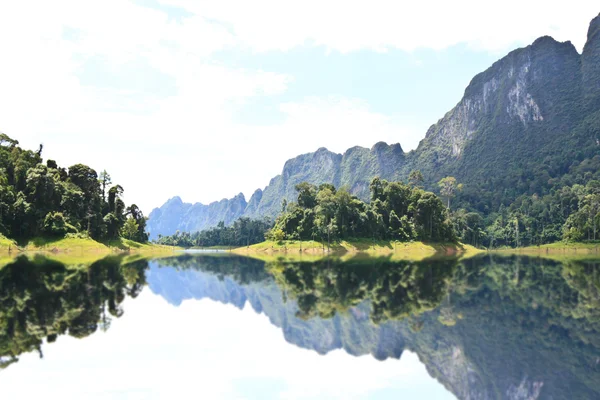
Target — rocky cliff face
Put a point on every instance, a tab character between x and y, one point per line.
514	93
591	65
516	116
175	215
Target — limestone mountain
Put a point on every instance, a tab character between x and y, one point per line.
176	215
526	125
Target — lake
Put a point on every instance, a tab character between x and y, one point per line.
199	325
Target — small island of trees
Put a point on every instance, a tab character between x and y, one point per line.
396	211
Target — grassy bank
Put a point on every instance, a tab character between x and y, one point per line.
561	251
81	246
392	249
211	248
6	244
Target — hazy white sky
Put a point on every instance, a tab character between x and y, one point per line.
206	99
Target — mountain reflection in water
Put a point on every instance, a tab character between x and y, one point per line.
485	328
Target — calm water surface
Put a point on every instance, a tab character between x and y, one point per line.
221	326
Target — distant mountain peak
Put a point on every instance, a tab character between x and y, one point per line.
175	200
544	40
379	146
594	29
591	64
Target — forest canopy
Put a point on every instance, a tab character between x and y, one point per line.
43	199
396	211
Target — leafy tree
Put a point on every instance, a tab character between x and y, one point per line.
242	232
55	224
397	211
415	178
139	218
306	195
276	235
449	187
105	181
130	229
6	141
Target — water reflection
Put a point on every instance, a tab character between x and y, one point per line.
41	299
486	328
490	327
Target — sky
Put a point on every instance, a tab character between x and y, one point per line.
199	351
207	99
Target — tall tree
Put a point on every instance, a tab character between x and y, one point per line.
415	178
130	229
105	181
449	187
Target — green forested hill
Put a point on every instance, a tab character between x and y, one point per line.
525	128
44	199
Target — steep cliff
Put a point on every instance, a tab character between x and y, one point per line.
175	215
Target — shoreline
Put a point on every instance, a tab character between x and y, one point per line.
559	251
410	251
80	246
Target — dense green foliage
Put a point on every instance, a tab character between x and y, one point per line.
396	211
571	213
38	199
243	232
42	299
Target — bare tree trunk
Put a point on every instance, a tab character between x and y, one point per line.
431	227
517	230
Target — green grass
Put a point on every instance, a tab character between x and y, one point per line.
129	245
212	248
354	247
65	244
6	244
126	244
560	251
91	246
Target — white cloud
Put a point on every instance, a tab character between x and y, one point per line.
141	138
346	26
259	152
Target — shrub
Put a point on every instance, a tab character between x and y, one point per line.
56	225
